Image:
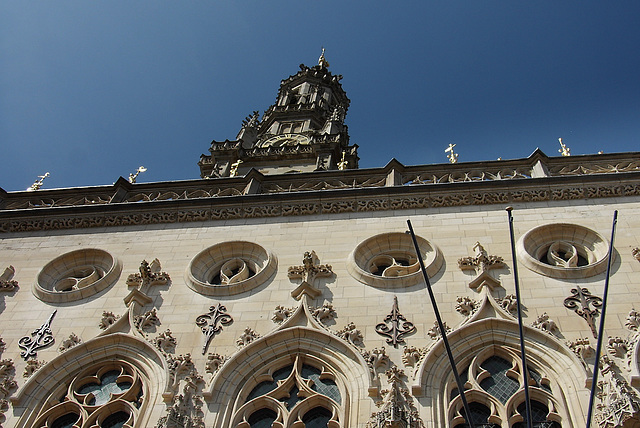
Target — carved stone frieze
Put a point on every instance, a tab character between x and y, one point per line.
247	336
3	346
107	320
546	324
7	283
636	253
70	342
147	320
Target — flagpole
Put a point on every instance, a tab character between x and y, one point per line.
594	382
525	372
443	332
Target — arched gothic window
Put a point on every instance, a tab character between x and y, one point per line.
105	396
493	385
298	394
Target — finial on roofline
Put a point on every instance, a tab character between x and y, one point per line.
322	62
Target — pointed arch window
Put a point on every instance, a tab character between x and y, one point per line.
107	395
493	387
297	394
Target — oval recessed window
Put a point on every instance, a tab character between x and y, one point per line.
230	268
563	250
389	260
77	275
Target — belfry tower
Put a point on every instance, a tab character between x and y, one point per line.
303	131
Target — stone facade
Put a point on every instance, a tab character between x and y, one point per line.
256	299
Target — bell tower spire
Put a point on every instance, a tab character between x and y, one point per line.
303	131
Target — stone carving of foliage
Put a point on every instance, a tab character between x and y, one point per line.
3	346
247	336
546	324
396	407
7	385
180	367
435	333
582	348
617	347
7	283
324	313
412	355
165	342
108	319
619	402
147	320
95	397
466	306
377	358
31	367
352	335
186	410
69	343
509	303
214	362
149	274
280	314
633	320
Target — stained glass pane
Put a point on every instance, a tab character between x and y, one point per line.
499	384
102	393
65	421
117	420
464	376
539	414
263	418
325	387
267	386
318	417
479	416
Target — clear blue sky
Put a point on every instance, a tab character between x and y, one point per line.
90	90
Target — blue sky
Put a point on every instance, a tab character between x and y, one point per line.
90	90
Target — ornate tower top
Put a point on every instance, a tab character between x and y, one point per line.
303	131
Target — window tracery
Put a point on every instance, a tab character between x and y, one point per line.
493	387
105	396
297	394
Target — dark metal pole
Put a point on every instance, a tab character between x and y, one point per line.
442	330
594	382
525	371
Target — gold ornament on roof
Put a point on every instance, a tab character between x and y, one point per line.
342	165
452	156
134	176
322	62
38	183
563	150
